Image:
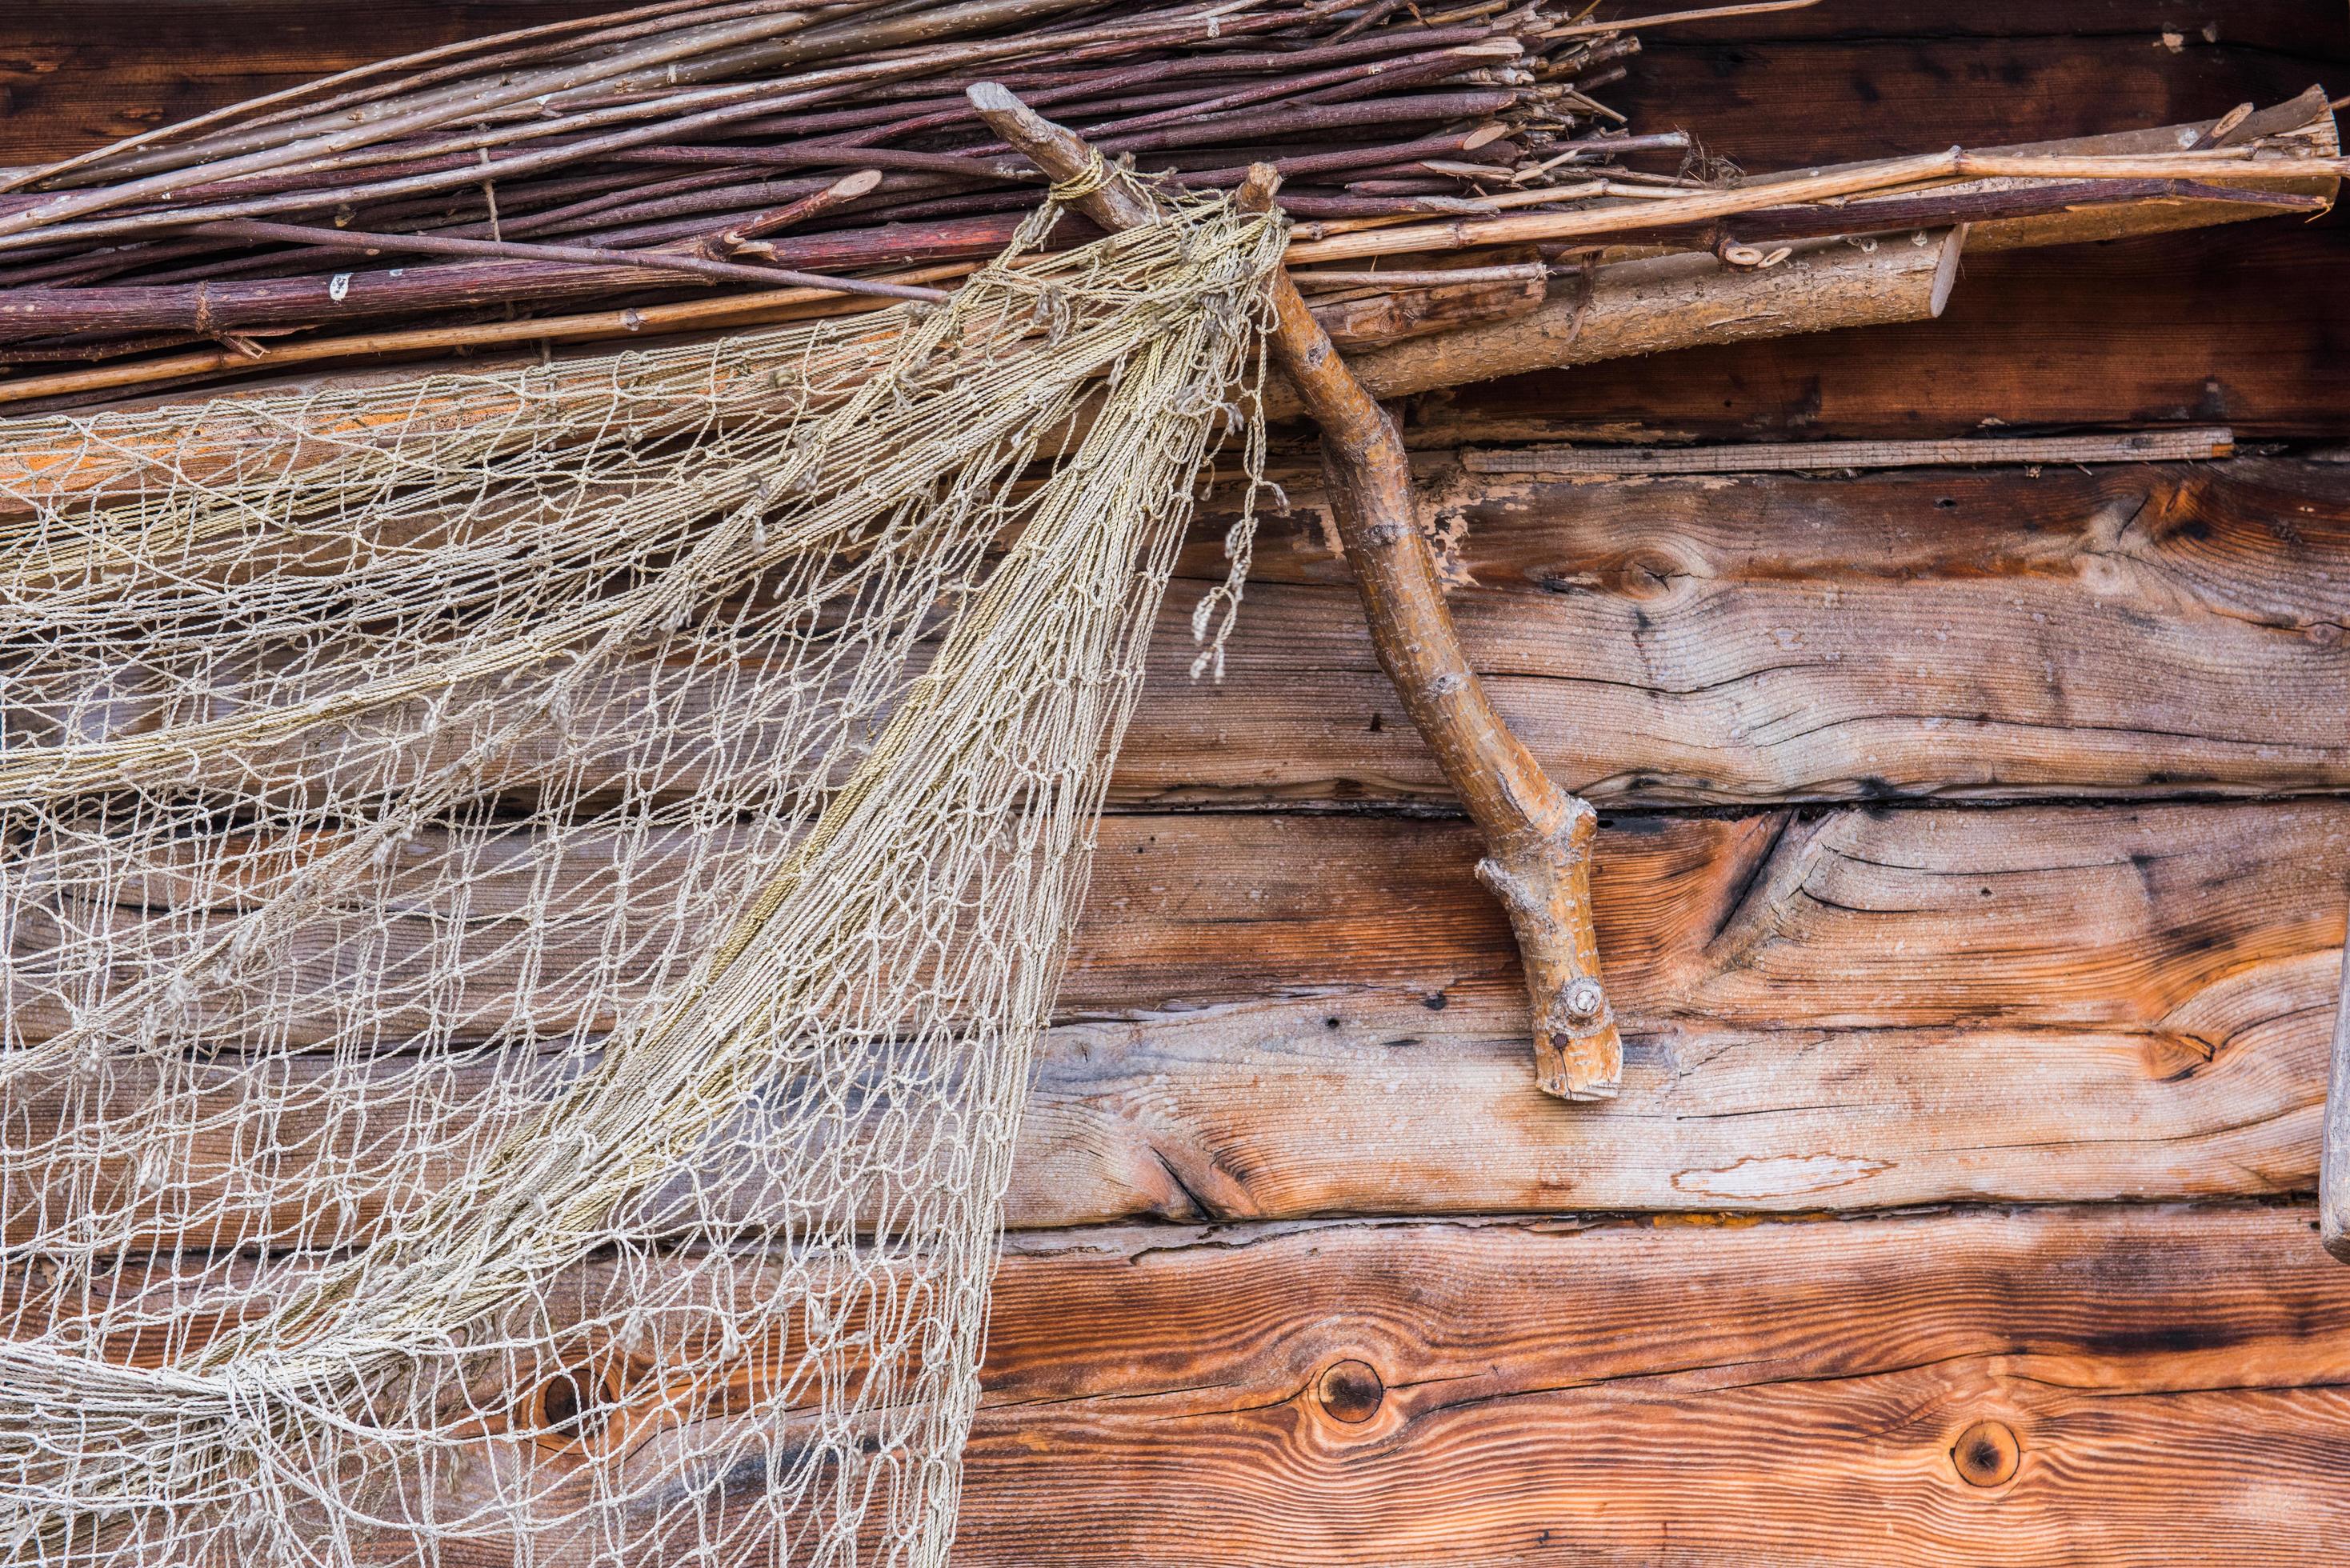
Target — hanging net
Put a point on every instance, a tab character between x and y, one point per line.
528	901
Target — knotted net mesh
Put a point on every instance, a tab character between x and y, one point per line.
528	898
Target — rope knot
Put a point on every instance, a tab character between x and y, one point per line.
1084	183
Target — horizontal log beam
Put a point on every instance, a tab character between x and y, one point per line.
2223	326
2123	1388
1989	633
2132	1386
1270	1017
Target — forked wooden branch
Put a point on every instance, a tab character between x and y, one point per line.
1537	837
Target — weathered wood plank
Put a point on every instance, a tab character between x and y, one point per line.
86	72
1858	918
1769	100
2241	327
1994	633
1781	1394
1281	1017
2053	1386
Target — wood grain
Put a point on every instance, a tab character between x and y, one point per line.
2126	1386
1272	1016
1778	1394
1993	633
2140	630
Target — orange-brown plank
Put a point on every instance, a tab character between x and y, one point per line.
2050	1387
1279	1016
2173	1381
2140	630
2121	630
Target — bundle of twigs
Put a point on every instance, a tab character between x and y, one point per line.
808	159
759	143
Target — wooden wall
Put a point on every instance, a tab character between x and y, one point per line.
1972	886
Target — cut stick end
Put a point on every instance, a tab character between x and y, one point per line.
1258	188
994	98
1544	882
1580	1069
1946	271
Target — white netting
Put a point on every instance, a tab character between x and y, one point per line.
528	901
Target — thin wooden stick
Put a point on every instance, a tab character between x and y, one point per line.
745	238
1889	174
1537	837
1801	456
1665	18
768	308
585	256
1433	277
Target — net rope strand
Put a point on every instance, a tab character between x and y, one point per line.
529	900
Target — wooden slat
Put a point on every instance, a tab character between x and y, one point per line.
2177	445
1997	634
2213	327
1282	1017
2052	1387
1780	1394
2138	631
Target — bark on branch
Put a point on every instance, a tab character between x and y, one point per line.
1537	837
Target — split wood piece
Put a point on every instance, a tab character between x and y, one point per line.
1661	303
2333	1172
1537	837
2136	446
1866	919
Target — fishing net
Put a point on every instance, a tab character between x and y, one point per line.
528	899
